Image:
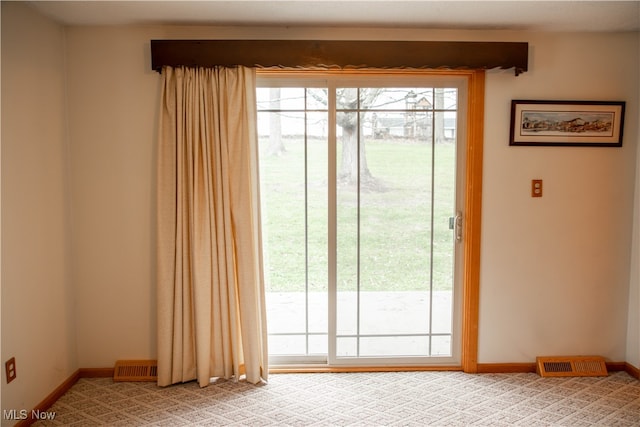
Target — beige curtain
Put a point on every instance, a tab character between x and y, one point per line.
211	304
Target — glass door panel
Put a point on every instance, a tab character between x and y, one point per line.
292	128
360	262
396	175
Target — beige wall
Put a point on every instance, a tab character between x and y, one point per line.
112	104
633	321
555	272
38	302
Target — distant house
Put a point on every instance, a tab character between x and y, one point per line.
411	125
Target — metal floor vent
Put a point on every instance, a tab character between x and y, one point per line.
571	366
136	370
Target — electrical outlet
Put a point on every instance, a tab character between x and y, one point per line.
10	369
536	188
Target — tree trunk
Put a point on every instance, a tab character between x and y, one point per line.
353	153
276	145
349	166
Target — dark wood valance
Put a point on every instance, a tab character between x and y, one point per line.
341	54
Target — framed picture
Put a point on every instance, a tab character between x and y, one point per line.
567	123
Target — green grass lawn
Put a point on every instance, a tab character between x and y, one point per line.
395	224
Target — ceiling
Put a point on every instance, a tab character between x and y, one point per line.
532	15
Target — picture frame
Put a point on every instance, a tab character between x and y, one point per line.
567	123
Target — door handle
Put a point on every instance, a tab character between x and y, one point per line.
457	225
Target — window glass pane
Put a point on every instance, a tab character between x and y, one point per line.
449	98
318	344
317	202
277	98
317	99
394	346
442	320
444	201
395	229
282	175
347	98
347	223
346	347
405	99
388	210
441	345
287	344
286	313
293	174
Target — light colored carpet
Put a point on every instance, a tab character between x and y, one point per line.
359	399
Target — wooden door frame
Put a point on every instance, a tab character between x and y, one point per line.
471	223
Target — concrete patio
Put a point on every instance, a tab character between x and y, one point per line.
384	314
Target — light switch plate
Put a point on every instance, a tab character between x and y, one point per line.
536	188
10	369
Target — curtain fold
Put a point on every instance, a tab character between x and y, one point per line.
211	302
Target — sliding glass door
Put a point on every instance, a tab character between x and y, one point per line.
360	191
292	126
